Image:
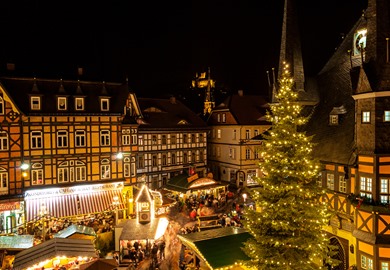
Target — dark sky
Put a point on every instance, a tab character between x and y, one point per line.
160	45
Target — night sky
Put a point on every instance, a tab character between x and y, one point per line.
160	45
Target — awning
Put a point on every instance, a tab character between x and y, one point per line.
58	205
100	201
54	248
220	247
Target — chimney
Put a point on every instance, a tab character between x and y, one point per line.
240	93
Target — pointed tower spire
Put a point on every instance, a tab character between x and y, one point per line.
290	48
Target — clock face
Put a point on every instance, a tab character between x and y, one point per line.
359	42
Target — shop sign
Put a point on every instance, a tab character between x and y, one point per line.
9	206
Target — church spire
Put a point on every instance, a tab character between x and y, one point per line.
290	48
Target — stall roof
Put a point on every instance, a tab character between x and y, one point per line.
76	230
185	182
220	247
133	230
16	242
53	248
100	264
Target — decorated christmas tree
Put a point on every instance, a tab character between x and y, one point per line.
287	221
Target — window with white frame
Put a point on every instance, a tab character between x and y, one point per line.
384	191
133	171
126	137
104	138
218	117
3	140
104	104
37	174
79	138
219	134
105	169
134	136
223	117
62	104
366	263
256	153
384	265
79	103
366	187
62	138
232	153
36	139
330	181
1	105
247	153
247	134
3	181
342	184
386	116
366	117
126	167
72	170
255	132
35	103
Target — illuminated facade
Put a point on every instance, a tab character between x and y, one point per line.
235	138
348	102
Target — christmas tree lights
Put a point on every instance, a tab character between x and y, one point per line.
287	223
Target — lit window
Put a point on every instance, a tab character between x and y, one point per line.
366	187
384	191
330	181
333	119
126	167
342	184
69	171
104	105
79	138
366	117
36	139
105	169
62	103
366	263
35	103
37	174
3	181
62	138
126	137
79	104
133	167
104	138
232	153
219	134
218	118
386	116
223	117
134	135
3	140
384	266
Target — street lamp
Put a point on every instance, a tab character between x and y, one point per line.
244	196
42	214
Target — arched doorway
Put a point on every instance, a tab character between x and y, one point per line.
340	255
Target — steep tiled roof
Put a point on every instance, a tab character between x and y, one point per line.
20	88
246	109
168	114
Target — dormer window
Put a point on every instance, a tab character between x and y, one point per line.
333	119
79	104
35	103
62	104
104	104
